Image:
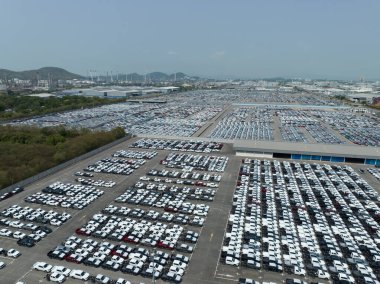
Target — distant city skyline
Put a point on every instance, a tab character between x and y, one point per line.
216	39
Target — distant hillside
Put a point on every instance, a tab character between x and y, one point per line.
159	77
61	74
42	74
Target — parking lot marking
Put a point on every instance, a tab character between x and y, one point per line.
22	277
84	216
225	277
9	258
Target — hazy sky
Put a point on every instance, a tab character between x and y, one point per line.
215	38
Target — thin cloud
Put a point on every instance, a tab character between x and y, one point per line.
218	54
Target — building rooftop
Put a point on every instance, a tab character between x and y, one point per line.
42	95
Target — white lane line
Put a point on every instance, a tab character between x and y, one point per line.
22	277
224	276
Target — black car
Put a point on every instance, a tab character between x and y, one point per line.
56	254
45	229
26	242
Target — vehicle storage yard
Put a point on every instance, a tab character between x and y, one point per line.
195	212
208	205
255	115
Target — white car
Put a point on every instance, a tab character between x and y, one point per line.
40	233
122	281
13	253
56	277
16	224
2	264
232	261
345	277
42	266
79	274
180	264
100	278
5	232
18	235
177	270
61	270
299	271
323	275
55	222
200	213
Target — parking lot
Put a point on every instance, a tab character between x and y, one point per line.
257	115
197	214
200	191
245	123
180	119
307	220
360	129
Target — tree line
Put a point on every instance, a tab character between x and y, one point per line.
14	106
26	151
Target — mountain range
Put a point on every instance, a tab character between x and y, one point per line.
42	74
56	73
157	77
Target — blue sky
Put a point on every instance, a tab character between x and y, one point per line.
214	38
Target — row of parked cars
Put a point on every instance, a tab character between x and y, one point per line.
170	202
292	133
37	215
178	145
375	173
66	195
292	121
100	183
9	194
29	226
154	215
190	162
360	129
249	123
252	130
114	165
140	231
304	219
122	257
174	120
169	189
27	236
297	118
147	155
187	174
59	274
192	193
323	135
